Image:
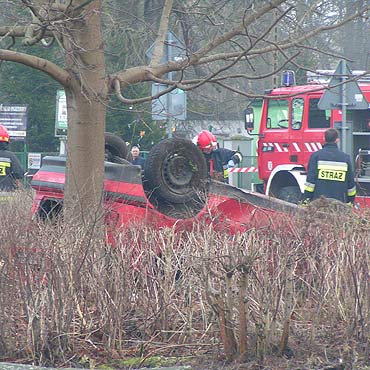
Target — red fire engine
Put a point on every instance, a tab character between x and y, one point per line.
292	127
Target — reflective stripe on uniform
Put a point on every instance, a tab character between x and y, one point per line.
332	171
4	163
5	196
331	165
309	187
352	192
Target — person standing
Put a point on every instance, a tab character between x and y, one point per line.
136	158
11	170
219	160
330	172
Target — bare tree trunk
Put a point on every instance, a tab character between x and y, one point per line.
162	31
86	99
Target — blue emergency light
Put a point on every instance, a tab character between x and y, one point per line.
288	78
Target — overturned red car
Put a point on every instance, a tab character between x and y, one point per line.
173	190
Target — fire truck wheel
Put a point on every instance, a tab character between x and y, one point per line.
116	149
291	194
175	178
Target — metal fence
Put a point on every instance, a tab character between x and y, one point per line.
24	159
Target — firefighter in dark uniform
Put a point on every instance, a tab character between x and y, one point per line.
219	160
330	173
11	170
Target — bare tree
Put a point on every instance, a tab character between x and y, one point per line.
218	39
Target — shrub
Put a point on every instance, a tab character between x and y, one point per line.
299	292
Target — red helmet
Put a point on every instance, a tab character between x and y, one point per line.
206	140
4	134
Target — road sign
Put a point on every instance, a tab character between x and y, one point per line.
169	105
341	93
61	118
178	104
172	105
173	50
34	161
14	118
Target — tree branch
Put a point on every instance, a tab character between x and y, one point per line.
41	64
17	31
154	72
120	97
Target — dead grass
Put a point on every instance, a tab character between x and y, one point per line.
292	297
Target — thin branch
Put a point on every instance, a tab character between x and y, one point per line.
324	52
236	31
285	44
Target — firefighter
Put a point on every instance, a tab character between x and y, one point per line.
219	160
11	170
330	173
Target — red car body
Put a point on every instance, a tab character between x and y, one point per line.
227	208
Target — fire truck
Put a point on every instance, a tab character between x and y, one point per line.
292	127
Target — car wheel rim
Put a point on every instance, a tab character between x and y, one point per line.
177	171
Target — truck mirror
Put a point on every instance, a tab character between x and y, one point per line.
249	119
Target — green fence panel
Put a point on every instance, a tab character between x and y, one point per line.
23	157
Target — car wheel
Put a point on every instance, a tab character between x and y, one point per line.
175	178
291	194
116	149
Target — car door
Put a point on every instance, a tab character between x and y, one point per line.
273	143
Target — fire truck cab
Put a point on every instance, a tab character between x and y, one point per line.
292	128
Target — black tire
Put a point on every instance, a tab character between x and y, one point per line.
116	148
175	178
291	194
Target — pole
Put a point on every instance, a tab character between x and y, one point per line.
25	161
344	107
169	95
62	146
275	56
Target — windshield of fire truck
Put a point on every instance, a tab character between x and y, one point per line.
277	114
